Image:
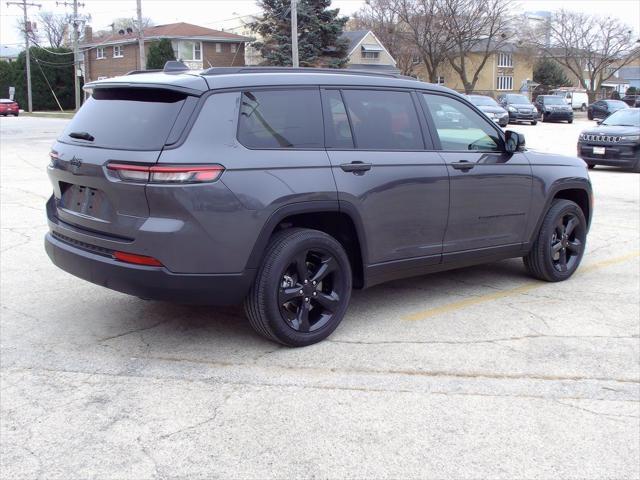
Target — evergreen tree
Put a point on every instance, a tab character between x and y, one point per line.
54	65
160	52
319	31
549	73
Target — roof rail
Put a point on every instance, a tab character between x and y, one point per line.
339	71
138	72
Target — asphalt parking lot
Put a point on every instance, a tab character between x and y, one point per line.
479	372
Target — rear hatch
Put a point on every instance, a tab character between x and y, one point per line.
117	124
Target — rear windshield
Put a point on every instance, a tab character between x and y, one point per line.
483	101
553	100
126	118
517	99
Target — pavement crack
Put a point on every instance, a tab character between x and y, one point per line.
600	414
137	330
471	342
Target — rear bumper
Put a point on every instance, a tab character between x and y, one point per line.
155	283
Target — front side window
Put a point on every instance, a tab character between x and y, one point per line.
383	120
100	53
459	127
281	119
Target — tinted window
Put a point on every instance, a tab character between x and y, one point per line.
617	104
281	119
338	131
629	117
127	118
459	127
383	120
517	99
480	101
552	100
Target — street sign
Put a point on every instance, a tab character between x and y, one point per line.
12	92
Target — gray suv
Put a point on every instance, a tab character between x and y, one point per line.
287	188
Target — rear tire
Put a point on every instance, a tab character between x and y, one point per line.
583	108
284	304
591	166
570	121
558	249
544	118
590	115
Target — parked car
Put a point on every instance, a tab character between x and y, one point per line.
491	108
576	99
519	107
286	188
632	100
616	141
9	107
603	108
552	107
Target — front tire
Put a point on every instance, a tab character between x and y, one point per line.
590	115
535	122
583	108
302	290
559	247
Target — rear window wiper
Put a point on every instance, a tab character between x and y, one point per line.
82	136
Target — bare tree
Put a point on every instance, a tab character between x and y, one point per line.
591	47
383	19
425	26
477	30
31	29
54	27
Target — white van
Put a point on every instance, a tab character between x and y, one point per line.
578	99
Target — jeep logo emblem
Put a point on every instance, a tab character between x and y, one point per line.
75	163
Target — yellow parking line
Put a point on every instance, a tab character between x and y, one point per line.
450	307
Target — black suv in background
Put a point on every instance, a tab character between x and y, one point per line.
553	108
286	188
615	142
632	100
519	107
603	108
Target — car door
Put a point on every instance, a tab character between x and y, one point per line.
490	190
386	172
599	109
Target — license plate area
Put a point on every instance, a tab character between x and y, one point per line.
88	201
599	150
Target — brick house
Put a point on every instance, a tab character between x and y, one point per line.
199	47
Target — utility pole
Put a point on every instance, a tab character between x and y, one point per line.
24	4
294	33
76	55
143	56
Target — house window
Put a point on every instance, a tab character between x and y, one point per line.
440	80
505	60
234	48
187	50
118	52
218	48
505	82
102	78
100	53
371	55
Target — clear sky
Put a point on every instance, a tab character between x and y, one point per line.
220	13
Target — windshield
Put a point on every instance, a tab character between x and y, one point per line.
629	117
552	100
481	101
125	118
517	99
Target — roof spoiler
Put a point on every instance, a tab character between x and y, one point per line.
173	66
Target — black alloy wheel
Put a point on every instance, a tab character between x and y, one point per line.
560	244
310	291
302	289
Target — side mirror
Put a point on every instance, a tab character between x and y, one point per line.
513	142
599	122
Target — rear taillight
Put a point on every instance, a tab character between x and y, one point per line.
137	259
167	173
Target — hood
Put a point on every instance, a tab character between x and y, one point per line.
491	109
521	105
611	130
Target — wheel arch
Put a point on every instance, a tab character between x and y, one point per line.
337	219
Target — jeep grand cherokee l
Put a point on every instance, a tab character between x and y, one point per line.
287	188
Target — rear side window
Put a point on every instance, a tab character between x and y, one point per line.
383	120
337	129
281	119
127	118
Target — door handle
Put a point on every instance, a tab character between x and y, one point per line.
356	167
463	165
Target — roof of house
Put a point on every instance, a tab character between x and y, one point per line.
354	37
630	72
171	31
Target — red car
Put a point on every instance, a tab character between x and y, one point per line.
8	107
